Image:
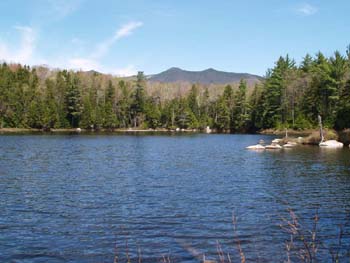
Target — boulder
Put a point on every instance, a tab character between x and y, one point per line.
256	147
273	146
331	144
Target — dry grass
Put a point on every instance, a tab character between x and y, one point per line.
314	138
307	245
302	245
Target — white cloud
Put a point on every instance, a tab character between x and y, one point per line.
60	8
93	60
307	9
130	70
4	52
26	50
83	64
24	53
90	64
127	29
123	31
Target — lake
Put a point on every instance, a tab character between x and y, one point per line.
87	198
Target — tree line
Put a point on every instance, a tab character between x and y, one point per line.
291	96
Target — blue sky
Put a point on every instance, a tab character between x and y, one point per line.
122	37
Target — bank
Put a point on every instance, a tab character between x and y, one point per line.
311	136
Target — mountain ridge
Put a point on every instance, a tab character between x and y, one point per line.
207	76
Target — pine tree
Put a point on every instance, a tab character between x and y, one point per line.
257	102
153	113
73	101
240	112
275	101
138	105
110	120
123	105
193	101
205	119
222	118
50	118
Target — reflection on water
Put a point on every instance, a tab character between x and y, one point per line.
73	198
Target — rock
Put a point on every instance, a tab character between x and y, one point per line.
273	146
289	145
256	147
276	140
177	129
331	144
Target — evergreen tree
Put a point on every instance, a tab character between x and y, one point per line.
123	105
257	102
222	118
153	113
88	117
240	112
50	118
288	97
110	120
73	101
138	105
275	102
306	64
193	101
343	113
185	118
205	119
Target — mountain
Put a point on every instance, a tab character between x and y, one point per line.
208	76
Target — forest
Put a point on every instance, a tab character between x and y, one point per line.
290	96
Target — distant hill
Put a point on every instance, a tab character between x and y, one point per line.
208	76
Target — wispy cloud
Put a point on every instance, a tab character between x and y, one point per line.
88	64
27	44
307	9
129	70
60	8
127	29
83	64
93	60
24	52
123	31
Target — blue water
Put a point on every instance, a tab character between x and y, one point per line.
81	198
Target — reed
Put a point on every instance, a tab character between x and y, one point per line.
304	244
314	138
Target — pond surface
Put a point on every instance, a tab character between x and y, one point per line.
81	198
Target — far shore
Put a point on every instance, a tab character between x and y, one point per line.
279	133
290	132
310	136
83	131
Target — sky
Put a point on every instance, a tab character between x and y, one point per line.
123	37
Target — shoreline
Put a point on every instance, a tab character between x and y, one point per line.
291	133
310	136
88	131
